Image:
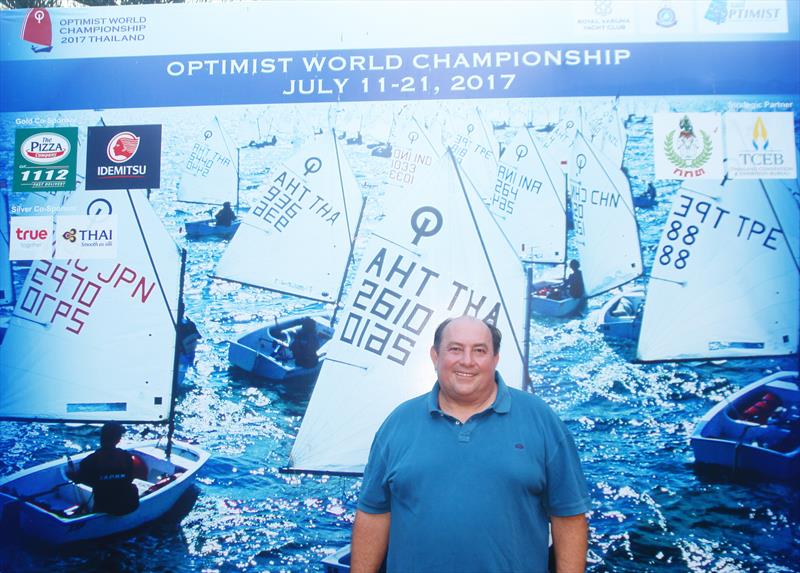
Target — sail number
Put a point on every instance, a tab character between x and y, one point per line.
388	323
678	254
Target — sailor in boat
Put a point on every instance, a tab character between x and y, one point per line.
469	476
305	344
572	287
225	216
110	472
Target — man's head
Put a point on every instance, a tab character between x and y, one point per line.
227	204
465	354
111	434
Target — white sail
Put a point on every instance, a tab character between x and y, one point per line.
298	235
604	127
438	253
95	339
725	278
208	173
6	274
415	150
529	201
605	233
476	150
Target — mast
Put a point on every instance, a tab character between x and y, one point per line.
176	357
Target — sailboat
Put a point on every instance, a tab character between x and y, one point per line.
109	329
309	211
414	147
210	175
476	150
725	281
605	232
412	276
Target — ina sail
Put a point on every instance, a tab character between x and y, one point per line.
209	173
529	201
307	211
94	340
6	273
725	281
605	234
437	254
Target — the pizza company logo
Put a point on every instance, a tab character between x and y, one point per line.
122	147
688	152
45	148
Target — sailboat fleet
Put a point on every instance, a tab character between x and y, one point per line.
452	195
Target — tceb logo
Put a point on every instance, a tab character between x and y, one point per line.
31	238
123	157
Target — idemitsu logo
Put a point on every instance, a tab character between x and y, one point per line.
45	148
122	147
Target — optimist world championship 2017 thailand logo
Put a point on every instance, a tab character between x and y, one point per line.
687	152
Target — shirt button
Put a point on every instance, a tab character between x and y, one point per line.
458	422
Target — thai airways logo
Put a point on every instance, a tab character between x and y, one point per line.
86	237
38	30
760	139
123	157
687	150
687	145
45	148
122	147
71	235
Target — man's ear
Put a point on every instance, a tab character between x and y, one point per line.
434	355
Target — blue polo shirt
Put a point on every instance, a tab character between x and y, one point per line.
475	496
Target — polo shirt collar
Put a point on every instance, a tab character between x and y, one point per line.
501	404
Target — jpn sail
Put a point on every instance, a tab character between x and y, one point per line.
437	254
208	175
297	237
725	280
606	234
6	273
529	201
94	339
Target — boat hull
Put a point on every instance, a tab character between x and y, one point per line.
729	436
552	307
209	228
263	351
621	316
53	516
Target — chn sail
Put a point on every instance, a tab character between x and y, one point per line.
208	174
529	201
307	211
725	280
6	274
438	253
94	339
606	234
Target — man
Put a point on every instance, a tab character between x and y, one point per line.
225	216
110	472
468	477
574	282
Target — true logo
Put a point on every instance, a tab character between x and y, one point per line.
122	147
687	151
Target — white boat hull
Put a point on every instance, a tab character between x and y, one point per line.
621	316
209	228
552	307
42	503
727	437
264	352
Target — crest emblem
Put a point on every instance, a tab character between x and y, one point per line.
687	150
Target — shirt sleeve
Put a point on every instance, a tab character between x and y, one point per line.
567	491
375	496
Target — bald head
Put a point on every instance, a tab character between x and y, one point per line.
493	331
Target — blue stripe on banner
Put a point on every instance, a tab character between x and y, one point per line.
706	68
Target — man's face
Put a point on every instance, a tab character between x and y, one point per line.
465	361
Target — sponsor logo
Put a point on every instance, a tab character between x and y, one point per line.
86	237
666	17
122	147
743	12
31	238
760	139
45	148
70	235
687	150
760	145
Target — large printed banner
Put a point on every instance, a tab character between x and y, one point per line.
157	56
